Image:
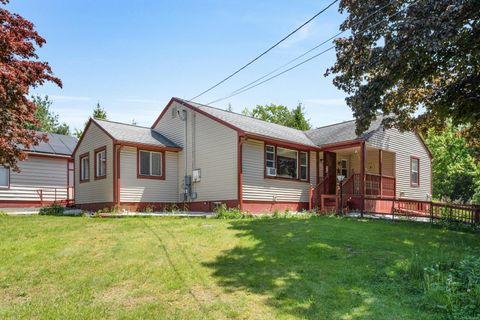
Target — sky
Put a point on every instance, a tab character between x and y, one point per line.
133	56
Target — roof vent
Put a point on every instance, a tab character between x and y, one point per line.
174	112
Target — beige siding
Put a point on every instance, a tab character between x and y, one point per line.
405	145
372	162
133	189
46	174
94	191
210	147
257	187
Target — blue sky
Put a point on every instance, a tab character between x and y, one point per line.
133	56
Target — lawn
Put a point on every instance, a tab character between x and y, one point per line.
167	268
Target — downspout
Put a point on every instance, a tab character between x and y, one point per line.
240	142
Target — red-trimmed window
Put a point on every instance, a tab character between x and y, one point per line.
84	167
4	177
100	163
414	172
151	164
286	163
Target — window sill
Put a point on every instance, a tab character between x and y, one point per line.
100	177
139	176
286	179
83	181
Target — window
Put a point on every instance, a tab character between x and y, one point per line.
343	168
414	172
4	177
303	165
150	164
84	167
101	163
286	163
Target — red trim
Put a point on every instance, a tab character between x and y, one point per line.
9	181
118	166
49	156
424	144
98	150
147	146
297	179
254	206
341	145
188	105
27	203
413	185
85	131
380	164
162	155
240	142
363	155
281	143
84	155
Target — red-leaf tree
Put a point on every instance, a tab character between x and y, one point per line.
20	71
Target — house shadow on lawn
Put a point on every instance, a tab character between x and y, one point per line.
327	268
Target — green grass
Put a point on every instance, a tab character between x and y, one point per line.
167	268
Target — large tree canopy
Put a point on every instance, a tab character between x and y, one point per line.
20	70
416	59
280	114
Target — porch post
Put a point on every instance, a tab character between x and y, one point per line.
380	160
362	176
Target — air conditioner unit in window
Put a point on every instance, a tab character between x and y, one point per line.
271	172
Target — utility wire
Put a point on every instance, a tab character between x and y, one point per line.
266	51
237	92
312	49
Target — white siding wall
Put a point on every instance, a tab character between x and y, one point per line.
37	173
405	145
257	187
147	190
211	147
94	191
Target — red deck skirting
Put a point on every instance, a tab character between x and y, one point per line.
28	204
270	207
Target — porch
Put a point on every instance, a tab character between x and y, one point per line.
357	174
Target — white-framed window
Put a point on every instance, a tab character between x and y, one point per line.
414	172
101	163
343	168
303	165
287	163
270	156
84	167
150	163
4	177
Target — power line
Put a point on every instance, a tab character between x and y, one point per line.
307	52
266	51
254	84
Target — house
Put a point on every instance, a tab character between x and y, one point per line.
45	177
200	156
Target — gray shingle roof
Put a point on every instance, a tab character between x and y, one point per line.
344	131
256	126
135	134
58	144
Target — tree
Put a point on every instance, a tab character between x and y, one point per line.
281	115
98	113
417	60
47	121
20	70
455	172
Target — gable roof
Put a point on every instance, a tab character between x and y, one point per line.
252	125
123	132
57	144
340	132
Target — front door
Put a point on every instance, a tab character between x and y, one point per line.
329	169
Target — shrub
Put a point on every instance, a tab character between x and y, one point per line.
149	208
53	210
456	290
222	212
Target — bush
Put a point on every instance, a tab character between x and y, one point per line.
222	212
455	290
53	210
